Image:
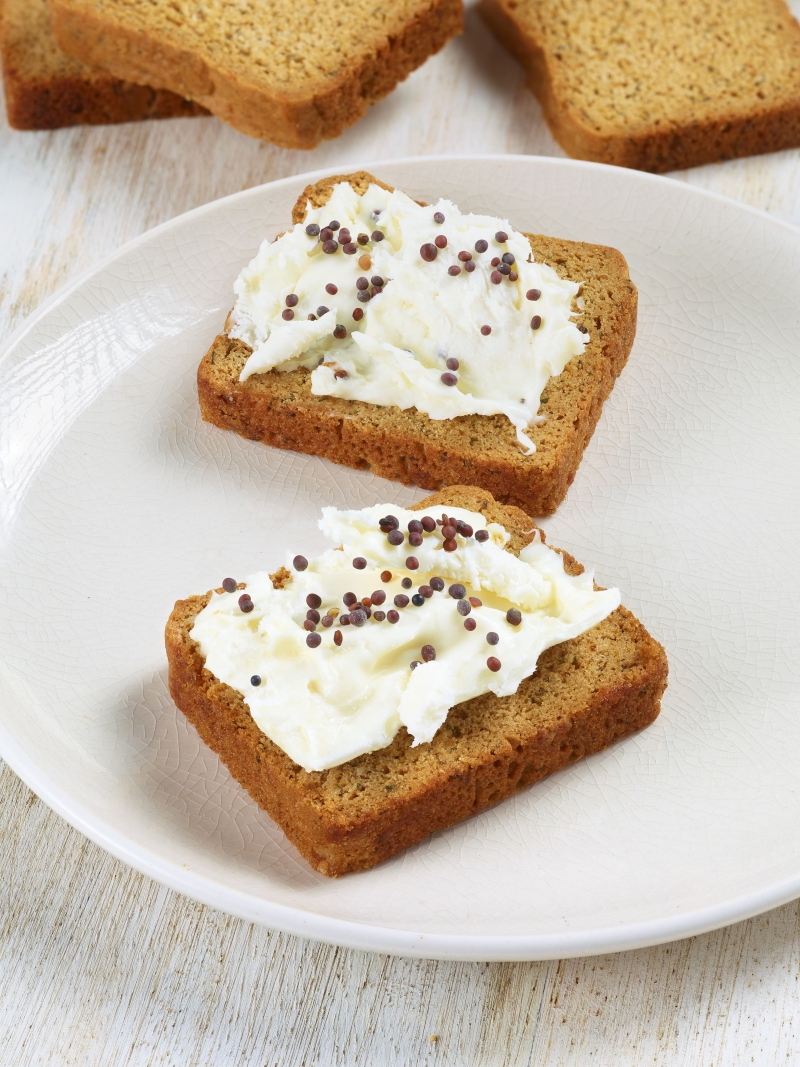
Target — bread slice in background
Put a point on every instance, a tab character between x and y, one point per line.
408	446
658	84
46	89
585	694
294	74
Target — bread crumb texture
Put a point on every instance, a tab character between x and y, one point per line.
585	694
46	89
659	84
279	409
289	73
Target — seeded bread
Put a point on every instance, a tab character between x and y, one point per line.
586	694
289	73
46	89
409	447
658	84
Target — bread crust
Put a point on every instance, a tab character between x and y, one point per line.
293	118
585	694
279	409
46	90
671	140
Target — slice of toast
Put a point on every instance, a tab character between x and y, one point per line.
46	89
585	694
658	84
279	409
280	71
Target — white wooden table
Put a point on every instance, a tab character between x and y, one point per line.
98	965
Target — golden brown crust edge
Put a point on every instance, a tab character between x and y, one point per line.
279	409
290	121
659	149
338	836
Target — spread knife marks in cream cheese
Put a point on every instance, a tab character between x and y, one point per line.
325	702
452	317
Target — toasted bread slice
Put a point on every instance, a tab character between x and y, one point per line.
659	84
46	89
585	694
280	71
407	446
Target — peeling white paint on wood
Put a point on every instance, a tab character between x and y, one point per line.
100	966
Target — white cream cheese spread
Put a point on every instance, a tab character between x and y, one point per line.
391	629
408	306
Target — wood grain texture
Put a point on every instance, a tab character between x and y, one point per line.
98	965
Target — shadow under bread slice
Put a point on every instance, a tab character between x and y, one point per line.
279	409
585	694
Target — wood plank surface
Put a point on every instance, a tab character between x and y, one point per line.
98	965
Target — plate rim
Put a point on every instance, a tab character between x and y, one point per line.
315	925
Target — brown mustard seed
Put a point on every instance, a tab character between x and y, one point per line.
377	281
309	624
349	599
406	583
379	616
378	235
496	261
287	314
312	229
513	616
326	233
415	526
386	576
313	640
312	614
428	524
438	217
426	591
469	624
536	322
429	252
449	379
363	295
475	602
246	606
533	294
463	607
412	563
344	620
493	663
457	591
482	535
486	330
415	539
359	563
428	653
449	531
358	617
338	637
501	237
392	615
509	258
379	596
395	537
366	601
465	257
481	246
334	225
401	600
358	314
452	363
327	621
313	600
350	248
362	283
329	247
332	289
440	241
363	238
291	300
230	585
299	563
469	266
449	545
340	332
437	584
492	638
311	317
504	269
341	373
414	664
512	276
495	277
454	271
365	262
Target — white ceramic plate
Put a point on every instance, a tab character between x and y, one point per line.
117	499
